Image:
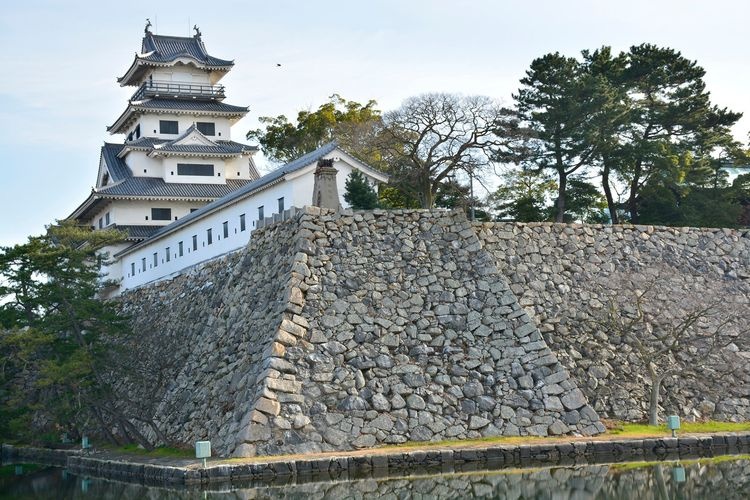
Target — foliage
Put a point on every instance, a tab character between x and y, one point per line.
643	119
359	194
52	330
523	195
350	122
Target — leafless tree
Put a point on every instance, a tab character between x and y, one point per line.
686	338
433	135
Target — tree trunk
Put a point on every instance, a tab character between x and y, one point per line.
561	196
653	400
608	194
633	196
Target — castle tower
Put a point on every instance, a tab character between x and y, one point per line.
178	154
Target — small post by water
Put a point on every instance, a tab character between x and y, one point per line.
673	423
203	450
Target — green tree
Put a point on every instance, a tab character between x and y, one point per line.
53	326
359	194
523	195
559	102
353	124
671	114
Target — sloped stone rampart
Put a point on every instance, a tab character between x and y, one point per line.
564	275
340	331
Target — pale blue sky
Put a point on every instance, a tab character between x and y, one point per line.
60	60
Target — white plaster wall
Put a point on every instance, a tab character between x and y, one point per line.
143	165
130	212
219	246
149	123
297	192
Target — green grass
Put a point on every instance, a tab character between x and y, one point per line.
160	452
626	429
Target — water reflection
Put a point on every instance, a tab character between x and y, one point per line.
723	478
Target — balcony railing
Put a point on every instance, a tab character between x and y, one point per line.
176	90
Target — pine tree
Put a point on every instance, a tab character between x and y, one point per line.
359	193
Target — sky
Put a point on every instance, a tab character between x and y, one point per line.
61	59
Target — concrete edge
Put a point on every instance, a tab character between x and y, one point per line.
383	464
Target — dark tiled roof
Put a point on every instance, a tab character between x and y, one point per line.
183	105
219	149
165	49
155	187
174	105
137	232
118	170
145	142
280	172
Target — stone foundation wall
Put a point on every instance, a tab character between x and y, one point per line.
340	331
565	274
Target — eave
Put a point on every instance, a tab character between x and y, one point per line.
133	75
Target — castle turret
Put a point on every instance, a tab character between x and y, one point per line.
178	153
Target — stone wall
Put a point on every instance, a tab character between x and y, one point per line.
340	331
565	275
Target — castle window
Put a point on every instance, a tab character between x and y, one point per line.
179	249
281	205
206	128
168	127
166	252
132	268
225	225
260	212
156	259
101	224
143	264
138	131
209	236
161	214
195	242
242	222
106	219
203	169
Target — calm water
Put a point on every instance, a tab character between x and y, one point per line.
717	480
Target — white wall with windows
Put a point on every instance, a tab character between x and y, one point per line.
150	126
217	232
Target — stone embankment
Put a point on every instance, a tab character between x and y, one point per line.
337	331
567	275
340	331
335	468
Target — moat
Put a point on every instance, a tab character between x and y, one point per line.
721	477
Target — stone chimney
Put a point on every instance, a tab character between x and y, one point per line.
325	190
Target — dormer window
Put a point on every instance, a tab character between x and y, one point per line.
168	127
105	179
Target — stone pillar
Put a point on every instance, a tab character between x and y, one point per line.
325	190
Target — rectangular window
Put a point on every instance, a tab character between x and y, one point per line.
281	205
209	236
203	169
156	259
161	214
168	127
167	254
179	249
100	223
138	131
195	242
206	128
143	264
242	222
106	219
226	229
260	213
132	268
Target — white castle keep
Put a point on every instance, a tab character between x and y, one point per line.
179	186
